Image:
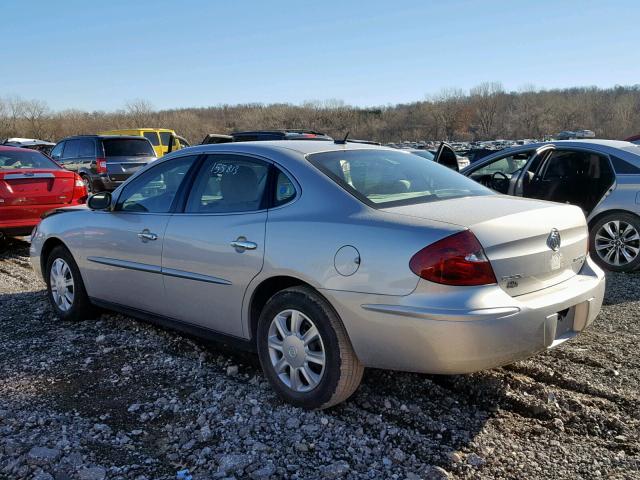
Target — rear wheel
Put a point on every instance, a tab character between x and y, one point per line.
87	183
305	351
615	242
65	288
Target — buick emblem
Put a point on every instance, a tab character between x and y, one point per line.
292	351
553	240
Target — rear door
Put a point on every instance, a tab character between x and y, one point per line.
216	247
123	247
125	156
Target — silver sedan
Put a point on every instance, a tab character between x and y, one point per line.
600	176
327	258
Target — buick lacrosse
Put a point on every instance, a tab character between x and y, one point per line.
327	257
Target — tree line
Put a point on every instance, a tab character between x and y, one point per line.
485	112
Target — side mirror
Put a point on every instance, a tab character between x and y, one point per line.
100	201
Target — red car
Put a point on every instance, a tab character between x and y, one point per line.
30	185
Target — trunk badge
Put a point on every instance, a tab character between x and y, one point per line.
554	240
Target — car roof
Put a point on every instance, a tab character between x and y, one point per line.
627	150
303	147
600	145
5	148
132	137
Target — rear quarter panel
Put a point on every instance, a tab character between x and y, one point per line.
304	245
625	195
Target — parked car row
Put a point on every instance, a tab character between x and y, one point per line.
409	266
601	177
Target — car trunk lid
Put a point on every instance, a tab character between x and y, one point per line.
126	155
519	237
21	187
121	168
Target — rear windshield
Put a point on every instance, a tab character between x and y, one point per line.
10	159
424	154
127	147
389	178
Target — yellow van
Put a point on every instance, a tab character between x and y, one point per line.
160	138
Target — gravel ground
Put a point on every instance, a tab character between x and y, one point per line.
118	398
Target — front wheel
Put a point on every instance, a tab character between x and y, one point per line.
615	242
65	288
304	350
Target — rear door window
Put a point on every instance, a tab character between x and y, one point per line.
229	183
127	147
155	190
152	137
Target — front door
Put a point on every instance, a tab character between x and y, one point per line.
216	247
502	173
123	247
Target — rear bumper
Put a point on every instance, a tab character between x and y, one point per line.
101	183
451	330
19	221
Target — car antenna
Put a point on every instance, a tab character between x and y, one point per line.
343	141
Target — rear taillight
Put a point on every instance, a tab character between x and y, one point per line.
101	165
79	190
455	260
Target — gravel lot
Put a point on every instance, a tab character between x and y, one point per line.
118	398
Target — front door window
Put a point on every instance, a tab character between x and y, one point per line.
154	191
501	173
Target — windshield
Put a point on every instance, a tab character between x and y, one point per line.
10	159
388	178
127	147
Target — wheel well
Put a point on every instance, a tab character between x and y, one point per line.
595	219
48	246
267	289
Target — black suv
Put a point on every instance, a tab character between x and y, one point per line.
258	135
103	161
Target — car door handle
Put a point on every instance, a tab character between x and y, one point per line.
242	244
146	235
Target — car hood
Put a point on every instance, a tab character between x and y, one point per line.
55	211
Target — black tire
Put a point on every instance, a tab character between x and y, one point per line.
81	307
342	371
595	241
88	184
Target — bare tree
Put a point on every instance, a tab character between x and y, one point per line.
487	99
